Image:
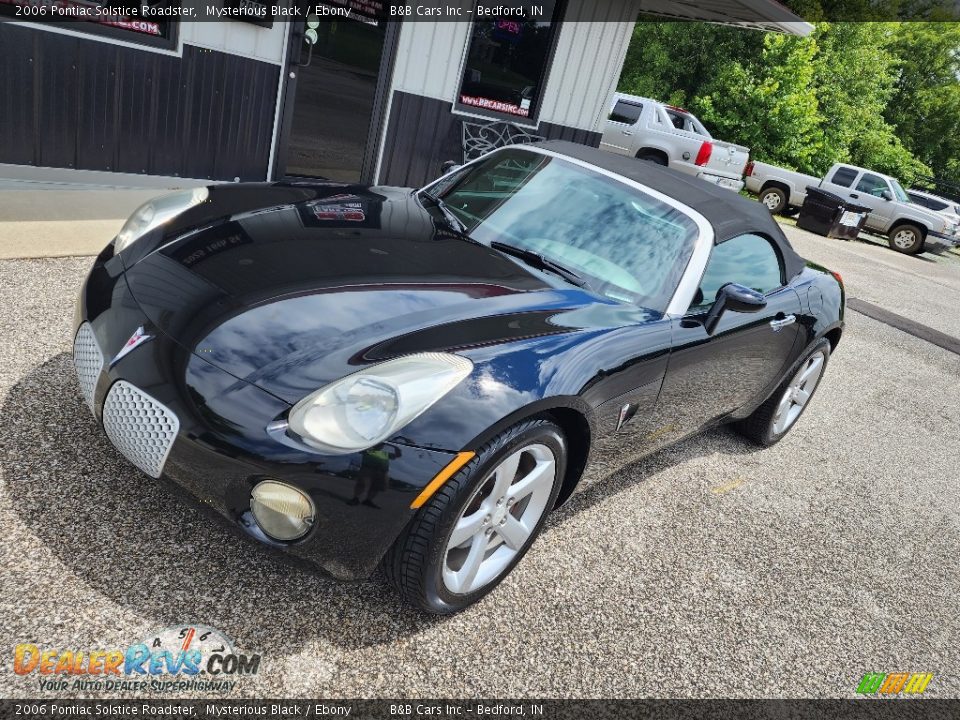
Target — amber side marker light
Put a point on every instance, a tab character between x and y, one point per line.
448	472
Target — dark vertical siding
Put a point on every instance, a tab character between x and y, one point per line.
58	104
423	133
18	73
80	103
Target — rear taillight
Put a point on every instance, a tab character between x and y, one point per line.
703	156
748	170
838	277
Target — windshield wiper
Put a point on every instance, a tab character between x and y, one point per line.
456	222
539	261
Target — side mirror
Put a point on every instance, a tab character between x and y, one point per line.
886	195
449	166
738	298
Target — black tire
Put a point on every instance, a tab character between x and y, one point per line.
415	563
897	239
654	157
774	198
759	427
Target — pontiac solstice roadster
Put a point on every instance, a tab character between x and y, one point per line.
414	379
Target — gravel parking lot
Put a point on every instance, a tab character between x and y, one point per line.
710	569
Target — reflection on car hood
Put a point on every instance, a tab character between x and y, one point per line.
298	294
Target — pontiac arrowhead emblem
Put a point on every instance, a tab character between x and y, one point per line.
138	338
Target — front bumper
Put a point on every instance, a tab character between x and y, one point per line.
177	417
950	240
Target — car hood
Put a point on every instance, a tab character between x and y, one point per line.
937	222
293	295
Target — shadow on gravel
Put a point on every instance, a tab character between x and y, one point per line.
133	541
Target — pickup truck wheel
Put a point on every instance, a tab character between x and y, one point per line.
655	158
907	239
774	198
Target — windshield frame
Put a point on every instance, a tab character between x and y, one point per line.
899	194
703	244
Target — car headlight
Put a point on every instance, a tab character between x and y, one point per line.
155	213
366	408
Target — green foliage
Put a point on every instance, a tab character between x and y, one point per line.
925	107
881	95
774	107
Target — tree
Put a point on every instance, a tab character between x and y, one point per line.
925	104
855	74
804	102
769	103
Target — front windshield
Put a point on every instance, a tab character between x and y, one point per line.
628	245
898	192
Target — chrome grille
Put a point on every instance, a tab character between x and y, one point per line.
140	427
88	361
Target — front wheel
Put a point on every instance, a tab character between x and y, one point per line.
907	239
770	422
478	526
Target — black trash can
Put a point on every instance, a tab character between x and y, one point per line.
851	222
828	214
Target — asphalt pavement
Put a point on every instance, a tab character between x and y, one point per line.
712	569
924	288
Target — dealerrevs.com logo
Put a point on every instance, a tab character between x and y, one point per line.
181	658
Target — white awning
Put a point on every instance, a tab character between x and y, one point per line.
766	15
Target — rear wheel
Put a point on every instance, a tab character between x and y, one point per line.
907	239
654	157
770	422
774	199
478	526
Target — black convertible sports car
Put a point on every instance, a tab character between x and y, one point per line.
363	375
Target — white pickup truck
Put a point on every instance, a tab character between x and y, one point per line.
668	135
908	226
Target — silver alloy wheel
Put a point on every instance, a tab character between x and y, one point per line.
498	520
771	200
904	239
798	392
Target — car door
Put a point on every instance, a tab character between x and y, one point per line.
868	193
840	181
711	375
620	131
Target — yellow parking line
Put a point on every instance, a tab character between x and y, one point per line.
733	485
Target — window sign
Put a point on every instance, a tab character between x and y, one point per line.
150	23
507	58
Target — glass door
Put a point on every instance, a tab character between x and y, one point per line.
335	97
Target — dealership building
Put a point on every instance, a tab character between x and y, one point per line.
378	97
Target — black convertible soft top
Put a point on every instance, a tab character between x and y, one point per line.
730	214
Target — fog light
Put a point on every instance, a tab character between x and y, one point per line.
282	511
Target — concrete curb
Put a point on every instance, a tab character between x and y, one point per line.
61	222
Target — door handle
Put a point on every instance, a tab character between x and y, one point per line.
854	195
627	132
779	323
